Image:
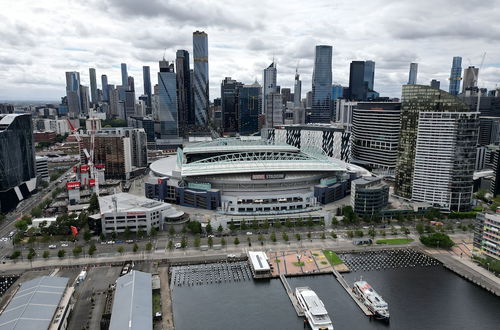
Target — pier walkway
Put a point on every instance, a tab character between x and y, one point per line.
291	295
348	289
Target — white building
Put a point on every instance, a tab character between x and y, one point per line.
60	126
343	112
123	210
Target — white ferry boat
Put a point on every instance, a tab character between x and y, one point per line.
371	299
314	310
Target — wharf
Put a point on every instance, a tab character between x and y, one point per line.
291	295
348	289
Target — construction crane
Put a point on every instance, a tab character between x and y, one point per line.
476	80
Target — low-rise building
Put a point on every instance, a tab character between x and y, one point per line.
369	195
123	210
259	265
487	235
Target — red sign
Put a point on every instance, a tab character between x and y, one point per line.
99	165
84	168
72	185
160	181
74	230
92	182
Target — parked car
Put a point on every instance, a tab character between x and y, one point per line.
178	245
129	241
52	246
111	242
64	245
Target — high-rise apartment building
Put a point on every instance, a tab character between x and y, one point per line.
412	77
297	91
17	160
274	105
437	148
375	135
230	90
249	108
184	92
270	84
124	74
73	94
337	92
105	89
435	83
470	78
455	75
93	86
167	85
369	75
84	99
358	86
200	83
321	110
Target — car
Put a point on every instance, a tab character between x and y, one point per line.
129	241
52	246
212	236
103	243
110	242
178	245
64	245
118	241
249	233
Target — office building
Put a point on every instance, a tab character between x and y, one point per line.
129	103
287	95
375	136
274	108
105	88
73	94
455	75
249	108
230	104
412	78
17	159
297	91
470	78
321	110
145	123
437	148
337	92
167	94
369	196
184	92
270	85
435	83
93	86
146	78
343	113
123	210
200	82
486	241
124	74
42	168
358	87
369	75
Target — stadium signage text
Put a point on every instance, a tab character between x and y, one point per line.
268	176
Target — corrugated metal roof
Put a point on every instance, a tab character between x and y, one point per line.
133	302
34	304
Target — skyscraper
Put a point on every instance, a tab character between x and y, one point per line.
249	107
167	94
437	148
124	74
435	83
369	75
412	78
321	110
146	78
105	89
358	86
230	90
73	94
337	91
297	91
274	115
470	78
186	114
93	86
455	75
84	99
131	83
270	85
200	84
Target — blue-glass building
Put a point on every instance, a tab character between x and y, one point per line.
250	101
455	75
412	77
358	87
184	91
337	92
200	83
146	77
321	110
124	74
167	86
369	74
73	93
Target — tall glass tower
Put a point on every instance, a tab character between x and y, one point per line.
455	75
270	85
73	93
321	111
369	74
93	86
146	77
297	90
412	79
167	85
124	74
186	115
200	84
105	90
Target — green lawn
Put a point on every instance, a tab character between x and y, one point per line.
298	263
156	303
332	257
395	241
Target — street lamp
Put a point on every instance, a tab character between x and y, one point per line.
488	264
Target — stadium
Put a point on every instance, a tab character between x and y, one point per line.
247	176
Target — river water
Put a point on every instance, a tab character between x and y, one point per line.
419	298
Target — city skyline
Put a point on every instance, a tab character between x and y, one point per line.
47	53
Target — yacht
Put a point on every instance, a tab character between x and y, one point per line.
314	310
371	299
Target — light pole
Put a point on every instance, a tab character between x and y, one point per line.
488	264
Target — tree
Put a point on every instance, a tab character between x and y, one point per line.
210	241
382	232
196	242
149	246
153	231
260	238
16	254
46	254
222	241
21	225
358	233
420	228
184	229
236	241
61	253
372	232
255	224
297	236
277	224
135	248
232	226
288	223
285	237
335	222
243	225
92	250
93	204
120	249
102	237
208	228
394	231
323	236
171	230
31	254
141	233
439	240
481	194
220	229
184	242
87	235
310	222
299	222
77	250
36	212
127	232
273	237
170	245
350	234
309	235
266	225
333	234
249	240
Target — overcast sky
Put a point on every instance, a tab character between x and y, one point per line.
40	40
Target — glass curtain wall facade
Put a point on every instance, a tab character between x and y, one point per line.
230	90
321	110
270	85
358	87
412	78
369	74
250	101
167	85
73	93
200	84
455	75
186	115
105	89
124	74
146	77
93	86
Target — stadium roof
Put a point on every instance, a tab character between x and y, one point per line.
133	302
34	304
225	145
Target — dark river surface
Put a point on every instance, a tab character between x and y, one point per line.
419	298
